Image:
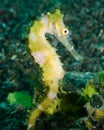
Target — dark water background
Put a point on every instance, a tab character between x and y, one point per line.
18	72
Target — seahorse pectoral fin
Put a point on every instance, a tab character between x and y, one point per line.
70	48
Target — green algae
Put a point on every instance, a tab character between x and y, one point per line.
89	90
22	98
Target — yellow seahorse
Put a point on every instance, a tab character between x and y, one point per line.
45	55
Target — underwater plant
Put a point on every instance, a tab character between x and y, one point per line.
46	57
22	98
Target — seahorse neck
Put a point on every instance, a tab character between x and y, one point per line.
47	25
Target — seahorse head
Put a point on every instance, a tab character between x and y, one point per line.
60	31
51	23
58	27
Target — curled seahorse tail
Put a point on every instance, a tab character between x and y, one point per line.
48	106
32	119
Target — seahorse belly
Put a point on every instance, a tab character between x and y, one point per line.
51	66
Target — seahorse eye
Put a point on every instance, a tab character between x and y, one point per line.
65	31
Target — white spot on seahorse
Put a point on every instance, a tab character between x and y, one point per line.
52	95
40	57
32	36
40	107
44	20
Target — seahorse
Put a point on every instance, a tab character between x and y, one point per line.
45	55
